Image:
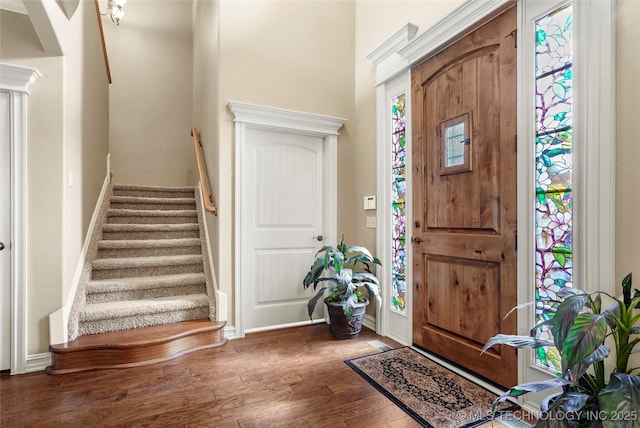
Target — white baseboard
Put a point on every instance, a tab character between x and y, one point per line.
288	325
230	332
369	322
37	362
399	339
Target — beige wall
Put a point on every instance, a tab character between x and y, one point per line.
151	59
206	36
19	45
628	144
290	54
67	133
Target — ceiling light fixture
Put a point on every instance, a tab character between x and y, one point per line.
115	9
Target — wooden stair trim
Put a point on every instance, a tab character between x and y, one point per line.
136	347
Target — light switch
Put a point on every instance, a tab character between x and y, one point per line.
371	223
369	202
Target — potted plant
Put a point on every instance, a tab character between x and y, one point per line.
345	269
591	395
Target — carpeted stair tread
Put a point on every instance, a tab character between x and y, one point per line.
152	188
144	262
118	212
155	227
147	243
130	308
143	283
147	267
151	200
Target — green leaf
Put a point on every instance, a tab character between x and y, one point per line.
600	354
569	402
338	262
520	306
359	249
620	397
373	290
516	341
311	304
561	258
595	303
583	338
314	273
365	276
565	315
526	388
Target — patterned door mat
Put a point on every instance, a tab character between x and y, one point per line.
431	394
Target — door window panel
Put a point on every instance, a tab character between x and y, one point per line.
553	220
399	194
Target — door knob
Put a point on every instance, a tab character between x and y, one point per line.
1	246
319	237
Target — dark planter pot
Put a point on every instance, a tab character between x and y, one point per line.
562	419
343	327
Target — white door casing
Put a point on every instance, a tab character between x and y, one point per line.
16	80
5	230
273	146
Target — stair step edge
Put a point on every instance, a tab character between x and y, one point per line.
151	335
118	212
168	189
152	261
96	312
144	283
152	200
153	227
148	243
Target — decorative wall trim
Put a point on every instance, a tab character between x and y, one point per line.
457	24
289	325
393	43
17	80
595	174
278	118
230	332
369	322
250	116
37	362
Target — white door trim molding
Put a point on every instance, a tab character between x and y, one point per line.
251	116
462	21
17	80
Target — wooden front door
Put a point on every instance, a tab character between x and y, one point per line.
464	198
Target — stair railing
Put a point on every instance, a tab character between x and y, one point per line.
202	170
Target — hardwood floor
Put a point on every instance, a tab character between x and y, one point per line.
286	378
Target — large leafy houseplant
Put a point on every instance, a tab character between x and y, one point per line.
345	269
582	330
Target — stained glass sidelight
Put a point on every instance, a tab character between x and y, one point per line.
554	224
399	193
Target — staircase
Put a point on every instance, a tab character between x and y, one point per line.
144	295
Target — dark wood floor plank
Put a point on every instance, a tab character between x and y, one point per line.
287	378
